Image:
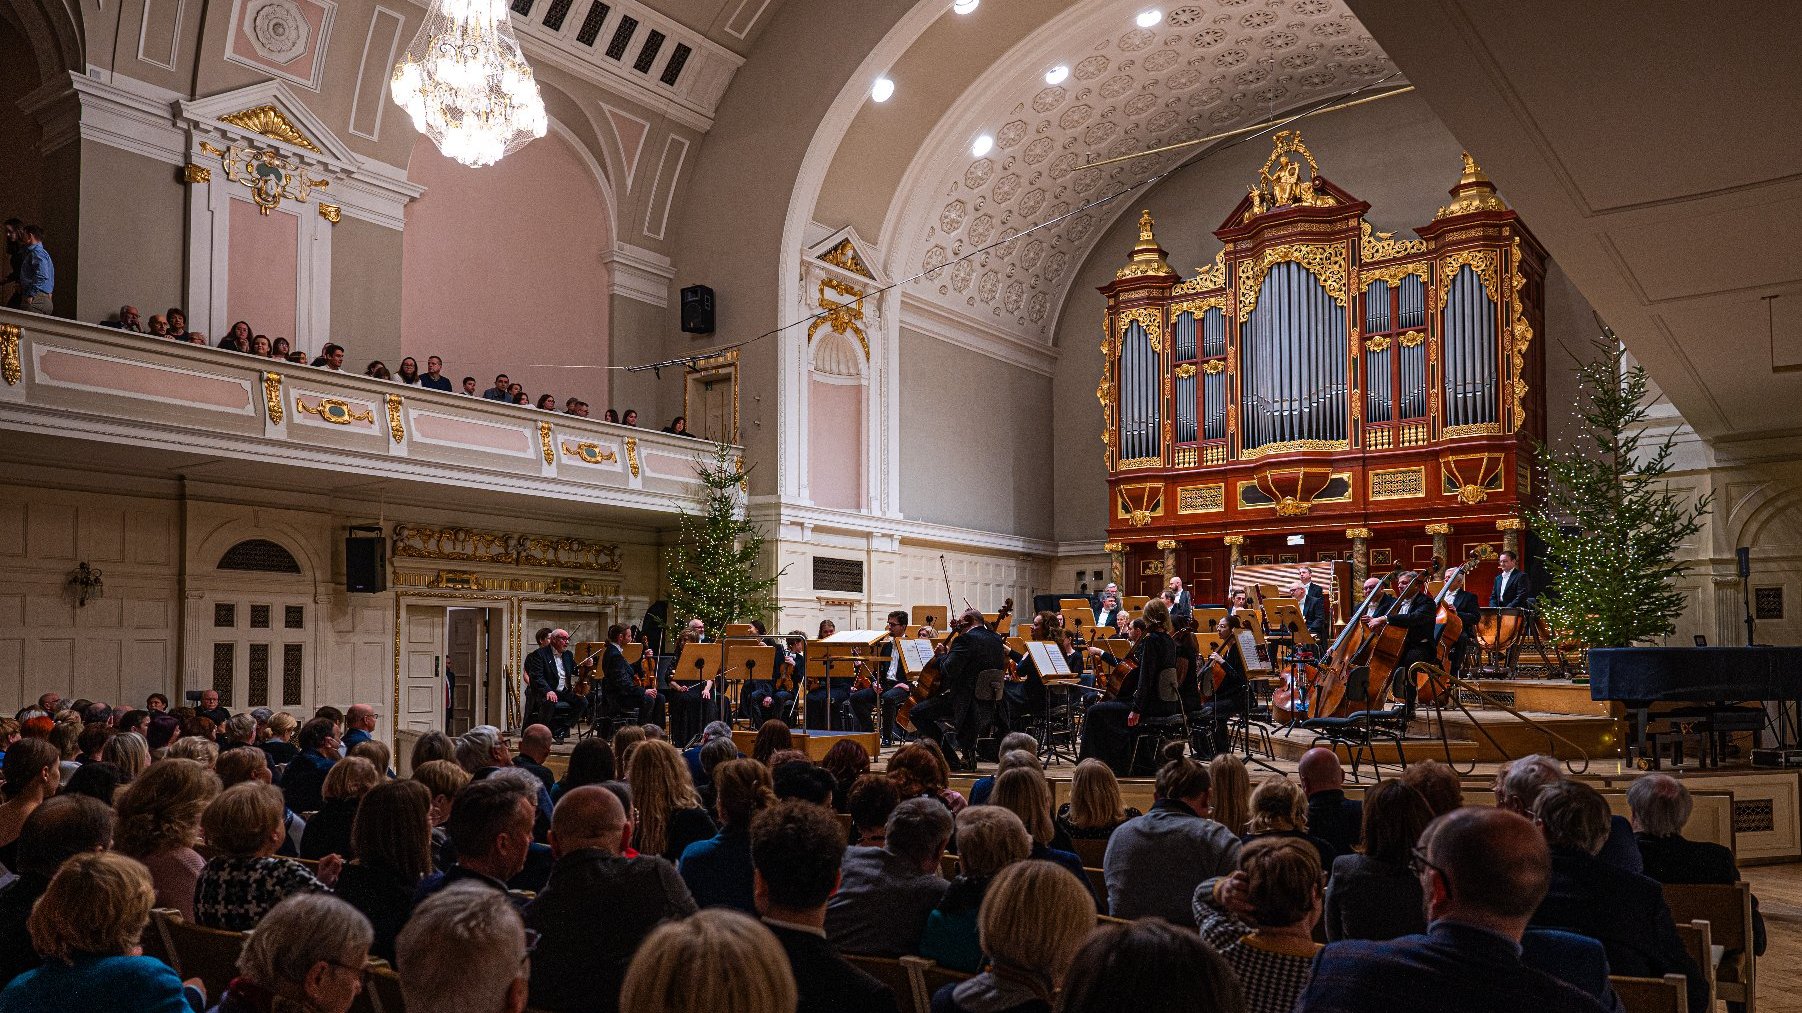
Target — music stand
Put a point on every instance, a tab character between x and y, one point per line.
935	616
745	663
844	648
698	663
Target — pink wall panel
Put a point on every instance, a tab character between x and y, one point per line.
502	270
835	444
260	279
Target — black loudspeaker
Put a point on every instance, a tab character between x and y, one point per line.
1745	561
365	563
697	310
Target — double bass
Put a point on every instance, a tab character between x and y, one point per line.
1449	625
1343	682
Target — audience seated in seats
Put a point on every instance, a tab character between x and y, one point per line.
989	839
980	788
886	894
591	762
280	745
329	830
1279	809
408	371
1590	896
98	780
1375	895
1262	918
598	905
846	761
462	952
303	782
359	724
625	739
31	774
443	779
159	825
245	878
1154	862
773	736
670	817
490	830
482	751
1025	792
919	770
393	840
434	378
1094	809
57	831
1519	783
1149	966
238	732
535	748
377	753
797	849
713	754
211	709
86	927
1661	806
1437	783
797	777
1332	817
432	746
1483	872
719	961
718	871
1032	923
308	953
715	731
870	802
197	746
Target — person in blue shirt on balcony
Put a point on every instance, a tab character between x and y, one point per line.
37	274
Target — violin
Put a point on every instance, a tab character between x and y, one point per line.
860	672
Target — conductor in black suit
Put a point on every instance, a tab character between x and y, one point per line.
1313	608
550	674
1512	588
1416	612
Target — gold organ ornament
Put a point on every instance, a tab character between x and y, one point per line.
272	397
397	429
1147	258
632	454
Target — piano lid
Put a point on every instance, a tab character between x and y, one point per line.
1695	674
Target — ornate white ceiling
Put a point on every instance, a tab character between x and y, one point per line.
1210	66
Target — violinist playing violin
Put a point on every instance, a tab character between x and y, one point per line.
1109	730
765	698
1417	613
619	689
971	675
888	682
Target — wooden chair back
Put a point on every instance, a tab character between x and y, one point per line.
1698	943
1090	851
1727	908
895	975
948	866
1668	994
929	977
1098	880
199	952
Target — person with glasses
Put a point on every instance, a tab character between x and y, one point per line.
1261	919
889	682
303	783
308	953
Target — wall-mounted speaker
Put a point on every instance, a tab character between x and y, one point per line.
365	561
697	310
1745	561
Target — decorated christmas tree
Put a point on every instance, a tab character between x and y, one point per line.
713	564
1609	520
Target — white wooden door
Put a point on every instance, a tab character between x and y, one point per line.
422	690
466	657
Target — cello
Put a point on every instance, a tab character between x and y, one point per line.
1449	626
1346	665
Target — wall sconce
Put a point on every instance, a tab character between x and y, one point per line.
87	582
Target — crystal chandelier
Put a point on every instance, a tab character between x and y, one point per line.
467	85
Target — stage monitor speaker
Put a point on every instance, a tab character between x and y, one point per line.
365	563
697	310
1745	561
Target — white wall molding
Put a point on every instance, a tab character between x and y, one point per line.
797	522
112	109
639	274
928	318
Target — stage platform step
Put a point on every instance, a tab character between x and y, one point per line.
1289	744
1598	736
1547	696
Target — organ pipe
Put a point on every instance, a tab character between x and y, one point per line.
1292	357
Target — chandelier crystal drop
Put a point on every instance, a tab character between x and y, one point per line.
466	84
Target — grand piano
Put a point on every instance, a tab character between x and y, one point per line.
1712	685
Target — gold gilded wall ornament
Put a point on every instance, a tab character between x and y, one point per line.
590	453
844	256
396	425
271	176
454	543
1113	547
842	317
1201	499
1327	262
271	123
272	397
1393	273
569	553
192	173
1398	483
9	354
1168	544
1356	533
1520	333
632	454
330	212
338	413
544	442
1439	528
1207	279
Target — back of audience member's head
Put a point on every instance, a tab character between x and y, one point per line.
1395	815
716	961
989	839
773	736
915	770
245	820
163	728
846	761
1575	816
26	764
1018	758
590	762
589	817
484	811
61	828
461	952
1493	861
235	766
241	728
1180	777
1278	804
66	737
1025	792
782	756
1282	879
1660	805
129	752
1437	783
918	830
625	739
193	747
315	734
430	746
1017	741
1229	792
804	781
350	779
99	781
475	748
871	799
1034	917
1149	966
161	810
309	950
1524	780
713	753
796	848
376	752
1095	796
97	905
393	830
741	788
93	739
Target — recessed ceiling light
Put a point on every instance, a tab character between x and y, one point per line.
964	6
983	145
1057	74
1149	18
882	90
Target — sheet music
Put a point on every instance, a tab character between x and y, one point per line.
915	654
1050	661
1256	658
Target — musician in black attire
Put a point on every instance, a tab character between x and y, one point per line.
888	682
760	700
970	679
688	692
1511	588
1026	691
550	682
1228	699
1465	604
832	680
1313	608
1416	612
619	689
1111	727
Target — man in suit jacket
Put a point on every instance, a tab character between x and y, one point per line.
1661	806
1482	873
1624	911
619	689
796	852
1417	613
1511	588
551	674
1181	605
888	682
1331	816
886	894
1313	608
978	650
1110	613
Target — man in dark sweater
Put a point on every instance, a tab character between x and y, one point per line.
796	850
61	828
598	905
1332	817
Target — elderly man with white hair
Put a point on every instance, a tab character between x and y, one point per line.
1661	806
1519	785
463	953
359	723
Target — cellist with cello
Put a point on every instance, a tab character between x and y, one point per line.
1223	682
1110	728
1416	612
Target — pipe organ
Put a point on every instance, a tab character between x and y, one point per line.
1378	397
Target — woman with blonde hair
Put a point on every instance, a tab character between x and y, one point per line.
280	745
1032	923
159	825
129	752
1095	808
989	839
1280	809
715	961
718	871
1024	792
1272	949
240	883
203	751
625	739
86	927
670	817
329	830
1230	802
